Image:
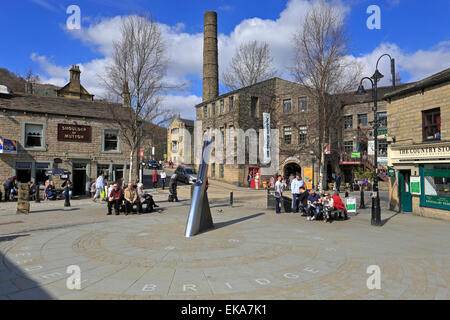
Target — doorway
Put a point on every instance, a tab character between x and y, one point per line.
292	169
253	171
404	191
79	179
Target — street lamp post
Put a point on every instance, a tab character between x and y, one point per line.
312	160
376	211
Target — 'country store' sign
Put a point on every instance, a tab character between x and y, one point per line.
440	150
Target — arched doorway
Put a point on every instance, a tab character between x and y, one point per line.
291	169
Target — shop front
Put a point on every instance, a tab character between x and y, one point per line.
421	182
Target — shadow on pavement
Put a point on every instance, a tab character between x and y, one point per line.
13	237
52	210
17	285
219	225
383	222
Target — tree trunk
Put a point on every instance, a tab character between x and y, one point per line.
130	176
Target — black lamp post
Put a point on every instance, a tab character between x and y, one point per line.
376	211
312	160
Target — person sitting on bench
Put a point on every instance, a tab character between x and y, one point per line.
144	198
339	206
130	196
51	191
328	207
303	200
115	198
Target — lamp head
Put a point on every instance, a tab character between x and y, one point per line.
361	91
377	75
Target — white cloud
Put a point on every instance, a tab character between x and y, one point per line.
185	52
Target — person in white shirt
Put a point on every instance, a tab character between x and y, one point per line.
295	189
163	179
278	194
99	185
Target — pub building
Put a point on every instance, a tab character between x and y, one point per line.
419	152
69	130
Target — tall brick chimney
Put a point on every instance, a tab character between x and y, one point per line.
210	57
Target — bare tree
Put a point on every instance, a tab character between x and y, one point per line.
250	64
136	74
323	66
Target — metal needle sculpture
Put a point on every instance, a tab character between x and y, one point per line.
200	214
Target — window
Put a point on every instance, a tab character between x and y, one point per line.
175	131
348	146
231	103
302	106
205	112
213	109
253	107
436	186
382	118
34	135
348	122
287	105
287	135
382	148
221	170
431	123
222	109
111	140
362	119
213	170
302	131
174	146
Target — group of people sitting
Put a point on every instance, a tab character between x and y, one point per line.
312	205
123	200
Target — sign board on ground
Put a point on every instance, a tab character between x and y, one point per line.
350	205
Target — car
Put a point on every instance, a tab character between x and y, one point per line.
153	164
186	174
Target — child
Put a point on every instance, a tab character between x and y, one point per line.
328	207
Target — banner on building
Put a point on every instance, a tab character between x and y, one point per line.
308	176
327	148
8	146
371	147
266	141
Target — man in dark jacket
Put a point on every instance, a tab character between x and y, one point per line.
303	200
9	185
115	198
173	187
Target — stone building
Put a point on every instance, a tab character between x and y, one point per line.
419	153
75	134
180	141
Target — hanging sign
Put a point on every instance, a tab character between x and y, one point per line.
266	142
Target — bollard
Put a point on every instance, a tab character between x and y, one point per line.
23	198
361	203
38	197
231	198
67	197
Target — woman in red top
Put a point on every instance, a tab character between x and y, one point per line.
155	179
339	205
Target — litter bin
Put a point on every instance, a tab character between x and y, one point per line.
271	202
287	204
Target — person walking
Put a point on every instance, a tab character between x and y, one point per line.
115	199
173	188
278	194
9	185
99	186
295	189
155	179
163	179
338	182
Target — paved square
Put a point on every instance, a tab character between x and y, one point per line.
251	254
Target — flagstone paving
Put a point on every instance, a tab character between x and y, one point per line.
250	254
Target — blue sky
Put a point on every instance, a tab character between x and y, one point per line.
415	32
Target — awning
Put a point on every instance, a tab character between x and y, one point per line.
8	146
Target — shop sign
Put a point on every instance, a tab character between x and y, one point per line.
381	132
71	132
439	150
391	172
415	185
356	154
438	201
8	146
350	205
382	160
